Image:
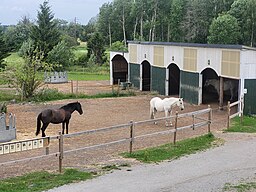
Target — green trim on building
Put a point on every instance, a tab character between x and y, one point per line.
189	86
158	76
135	74
250	96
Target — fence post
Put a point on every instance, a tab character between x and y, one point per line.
228	123
242	110
60	150
47	150
209	119
77	87
131	135
175	127
118	88
193	126
72	90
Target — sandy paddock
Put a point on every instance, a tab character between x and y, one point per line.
98	113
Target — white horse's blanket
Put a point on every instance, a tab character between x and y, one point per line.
166	105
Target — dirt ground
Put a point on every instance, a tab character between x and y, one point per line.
98	113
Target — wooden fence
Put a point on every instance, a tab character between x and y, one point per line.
240	106
197	121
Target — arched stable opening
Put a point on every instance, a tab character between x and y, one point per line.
119	68
230	89
146	76
210	94
173	79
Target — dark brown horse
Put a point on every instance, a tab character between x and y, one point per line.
56	116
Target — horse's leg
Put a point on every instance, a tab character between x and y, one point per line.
166	115
45	125
63	128
152	113
170	114
67	127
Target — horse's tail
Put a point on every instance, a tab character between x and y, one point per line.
38	124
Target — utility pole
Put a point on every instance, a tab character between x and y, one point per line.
75	28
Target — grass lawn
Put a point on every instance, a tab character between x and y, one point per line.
248	125
14	59
241	187
40	181
80	76
171	151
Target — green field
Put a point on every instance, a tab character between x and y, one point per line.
83	76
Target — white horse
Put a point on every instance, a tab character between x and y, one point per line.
166	105
229	85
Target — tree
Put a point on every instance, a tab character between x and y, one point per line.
60	56
45	33
176	17
25	77
224	30
4	51
245	13
16	35
95	47
105	22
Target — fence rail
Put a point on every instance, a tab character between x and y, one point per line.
131	126
240	106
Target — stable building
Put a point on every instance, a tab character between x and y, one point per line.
182	69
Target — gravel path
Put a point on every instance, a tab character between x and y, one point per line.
204	171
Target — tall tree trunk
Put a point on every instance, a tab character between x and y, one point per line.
154	21
141	27
168	33
252	32
135	28
110	36
123	25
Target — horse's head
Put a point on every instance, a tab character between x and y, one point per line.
79	108
180	103
207	83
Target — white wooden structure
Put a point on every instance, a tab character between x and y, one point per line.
7	131
182	68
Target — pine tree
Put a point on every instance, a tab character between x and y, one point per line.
4	52
45	33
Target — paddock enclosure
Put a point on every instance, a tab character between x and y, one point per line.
98	113
182	69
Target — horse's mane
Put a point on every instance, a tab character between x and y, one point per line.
69	105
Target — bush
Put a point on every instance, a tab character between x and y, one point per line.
48	95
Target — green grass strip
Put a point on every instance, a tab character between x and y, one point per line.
248	125
80	76
40	181
241	187
171	151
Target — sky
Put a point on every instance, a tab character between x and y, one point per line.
11	11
